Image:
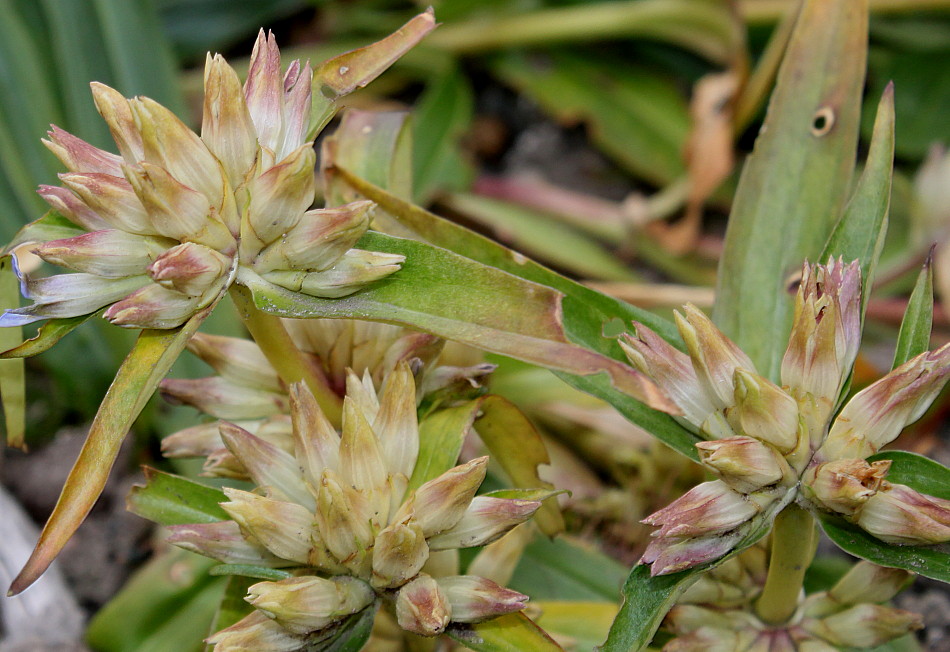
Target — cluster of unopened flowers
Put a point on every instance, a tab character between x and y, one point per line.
771	445
174	220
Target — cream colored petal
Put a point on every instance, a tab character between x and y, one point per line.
226	126
115	110
79	156
281	527
316	442
109	253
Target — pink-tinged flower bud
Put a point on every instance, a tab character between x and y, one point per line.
867	582
844	486
238	360
191	269
399	553
67	204
876	415
269	466
343	518
224	542
361	464
826	332
263	91
898	514
281	527
307	604
316	444
715	357
112	200
671	369
439	504
486	519
744	463
474	599
259	633
154	307
115	110
422	607
352	271
864	625
762	410
222	398
396	423
672	554
226	126
108	253
708	508
79	156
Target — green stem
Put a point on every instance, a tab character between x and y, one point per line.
793	546
289	361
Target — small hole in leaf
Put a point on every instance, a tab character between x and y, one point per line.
614	328
822	122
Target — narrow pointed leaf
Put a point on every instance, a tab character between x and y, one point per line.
51	332
351	634
509	633
440	441
173	500
914	336
12	372
247	570
516	445
136	380
859	234
52	226
794	184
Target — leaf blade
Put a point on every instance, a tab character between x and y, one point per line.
169	499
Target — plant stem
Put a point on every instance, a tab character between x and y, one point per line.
289	361
793	547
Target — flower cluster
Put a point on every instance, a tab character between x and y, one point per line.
176	218
770	445
849	615
248	391
348	514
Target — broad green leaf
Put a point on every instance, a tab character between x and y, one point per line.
585	310
440	441
442	116
136	380
157	591
187	626
914	336
566	569
51	332
706	28
12	372
634	115
922	473
232	607
509	633
173	500
585	624
516	445
929	561
247	570
793	185
541	237
859	234
52	226
355	69
498	312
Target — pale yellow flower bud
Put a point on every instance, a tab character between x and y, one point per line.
307	604
744	463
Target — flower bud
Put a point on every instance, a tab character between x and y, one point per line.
867	582
222	541
898	514
844	486
715	357
78	155
399	553
307	604
422	607
256	632
439	504
708	508
474	599
108	253
876	415
486	519
826	332
864	625
281	527
743	463
343	517
671	369
762	410
190	268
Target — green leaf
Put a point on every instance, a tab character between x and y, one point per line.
440	441
509	633
541	237
498	312
914	336
167	586
526	494
567	569
585	310
233	607
916	471
51	332
136	380
794	184
173	500
585	624
634	115
859	234
442	116
52	226
349	635
12	372
247	570
929	561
